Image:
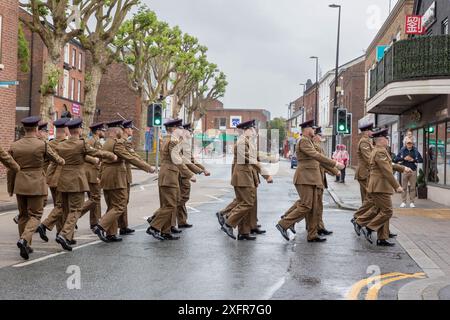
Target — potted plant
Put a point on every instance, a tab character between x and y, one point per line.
422	190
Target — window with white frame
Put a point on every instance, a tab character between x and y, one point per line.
66	84
80	58
72	89
79	91
66	54
74	58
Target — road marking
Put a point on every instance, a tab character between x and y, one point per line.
215	198
7	213
193	209
372	294
357	287
24	264
271	291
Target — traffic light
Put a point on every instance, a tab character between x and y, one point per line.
349	123
154	115
341	121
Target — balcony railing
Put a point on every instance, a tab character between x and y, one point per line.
413	59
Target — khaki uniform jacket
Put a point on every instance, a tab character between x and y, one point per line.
130	147
325	169
246	167
73	176
30	154
54	170
309	162
365	147
91	168
382	178
173	166
13	168
113	174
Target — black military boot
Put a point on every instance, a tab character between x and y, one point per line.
317	240
392	235
384	243
175	230
246	237
168	236
23	246
155	233
229	231
367	234
42	230
185	226
126	231
357	228
220	218
64	243
114	238
283	232
258	231
325	232
100	232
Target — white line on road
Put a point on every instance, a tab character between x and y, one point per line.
193	209
271	291
215	198
6	213
24	264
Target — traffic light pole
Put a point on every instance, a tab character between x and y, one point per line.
157	149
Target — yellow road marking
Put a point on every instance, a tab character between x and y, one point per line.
357	287
372	294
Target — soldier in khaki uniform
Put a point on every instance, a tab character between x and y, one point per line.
245	180
29	183
185	182
113	181
57	216
72	183
308	182
93	205
365	147
381	185
127	136
172	166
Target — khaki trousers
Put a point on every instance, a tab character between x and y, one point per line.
163	217
363	189
225	212
185	194
366	206
123	219
116	201
240	216
58	215
31	209
319	209
72	203
411	180
303	208
377	219
93	205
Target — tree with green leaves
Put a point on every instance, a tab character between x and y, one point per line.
280	125
52	20
98	40
23	51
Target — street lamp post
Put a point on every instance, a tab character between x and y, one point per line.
333	141
316	109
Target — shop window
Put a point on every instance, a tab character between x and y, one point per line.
220	123
79	91
441	151
80	59
66	84
66	54
447	155
418	134
74	58
432	170
72	89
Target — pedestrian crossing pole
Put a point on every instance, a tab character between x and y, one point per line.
157	149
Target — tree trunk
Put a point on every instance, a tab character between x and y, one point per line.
90	99
143	118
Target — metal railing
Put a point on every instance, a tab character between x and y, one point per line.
413	59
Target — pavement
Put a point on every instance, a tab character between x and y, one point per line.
205	263
423	233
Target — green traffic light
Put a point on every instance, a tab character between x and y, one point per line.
341	127
157	122
431	130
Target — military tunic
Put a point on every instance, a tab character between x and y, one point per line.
365	147
29	183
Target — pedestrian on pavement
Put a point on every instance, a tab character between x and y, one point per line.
335	157
172	167
113	181
73	182
342	157
382	183
29	183
307	180
409	136
409	156
245	180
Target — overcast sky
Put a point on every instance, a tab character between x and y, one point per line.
264	46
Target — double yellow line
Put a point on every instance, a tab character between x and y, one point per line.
379	282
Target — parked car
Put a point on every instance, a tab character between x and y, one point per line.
294	162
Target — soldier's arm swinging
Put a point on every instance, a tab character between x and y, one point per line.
121	151
53	155
8	161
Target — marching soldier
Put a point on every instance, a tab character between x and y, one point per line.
58	215
93	205
72	183
365	147
127	136
172	167
322	231
381	185
113	181
29	183
308	181
185	182
245	180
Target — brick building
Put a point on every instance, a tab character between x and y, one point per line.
70	91
115	98
351	96
8	71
